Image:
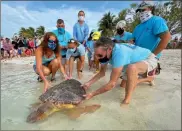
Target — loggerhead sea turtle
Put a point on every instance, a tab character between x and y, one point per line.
65	95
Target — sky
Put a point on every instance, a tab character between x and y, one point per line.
17	14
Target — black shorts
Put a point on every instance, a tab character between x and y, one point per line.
63	56
76	57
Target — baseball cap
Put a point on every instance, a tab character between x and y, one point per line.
96	35
121	24
144	5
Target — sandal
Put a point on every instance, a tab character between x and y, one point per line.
53	79
39	79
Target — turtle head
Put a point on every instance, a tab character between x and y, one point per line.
35	116
43	111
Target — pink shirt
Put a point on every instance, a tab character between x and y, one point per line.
7	46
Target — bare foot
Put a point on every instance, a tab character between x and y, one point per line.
80	76
124	103
152	83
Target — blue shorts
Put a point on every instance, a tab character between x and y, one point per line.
19	51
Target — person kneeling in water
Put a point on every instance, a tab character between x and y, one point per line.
48	59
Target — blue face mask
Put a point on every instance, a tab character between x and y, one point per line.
61	30
72	50
52	45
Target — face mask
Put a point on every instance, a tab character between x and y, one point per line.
51	45
104	60
81	18
120	31
144	16
61	30
72	50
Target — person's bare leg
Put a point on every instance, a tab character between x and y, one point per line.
53	66
123	83
147	79
89	63
132	77
71	65
78	69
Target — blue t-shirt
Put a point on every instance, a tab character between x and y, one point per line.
126	36
80	32
80	51
124	54
146	34
90	45
63	39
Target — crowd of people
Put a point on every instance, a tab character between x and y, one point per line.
175	43
134	56
18	47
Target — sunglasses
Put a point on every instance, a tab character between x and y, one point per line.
71	41
51	41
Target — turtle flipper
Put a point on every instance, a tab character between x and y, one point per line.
43	111
78	111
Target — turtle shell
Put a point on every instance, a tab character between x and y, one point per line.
67	92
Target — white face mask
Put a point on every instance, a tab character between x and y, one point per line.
81	18
72	50
144	16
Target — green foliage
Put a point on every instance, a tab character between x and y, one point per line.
170	11
107	25
31	33
40	31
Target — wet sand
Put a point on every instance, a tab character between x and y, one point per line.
151	108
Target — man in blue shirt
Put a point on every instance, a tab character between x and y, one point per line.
135	59
63	37
152	33
122	35
81	29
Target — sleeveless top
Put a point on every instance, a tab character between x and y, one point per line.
46	60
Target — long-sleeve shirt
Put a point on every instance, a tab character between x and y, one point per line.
80	32
7	46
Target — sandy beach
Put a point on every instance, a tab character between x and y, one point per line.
151	108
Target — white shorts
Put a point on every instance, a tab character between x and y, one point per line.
92	57
151	63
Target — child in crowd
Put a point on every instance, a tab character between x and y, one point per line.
94	62
90	49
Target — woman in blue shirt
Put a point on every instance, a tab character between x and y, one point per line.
76	51
81	29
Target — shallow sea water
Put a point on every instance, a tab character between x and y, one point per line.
151	108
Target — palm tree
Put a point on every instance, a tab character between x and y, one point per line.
28	33
107	25
22	31
40	31
31	32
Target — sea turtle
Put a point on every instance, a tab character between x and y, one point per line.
65	95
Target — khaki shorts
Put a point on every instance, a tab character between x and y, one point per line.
151	63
